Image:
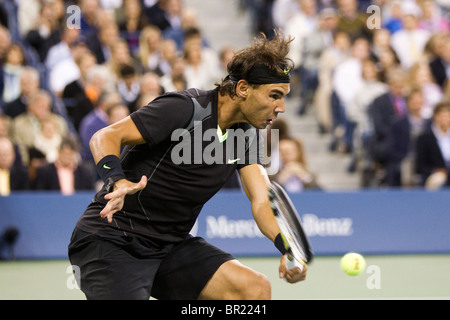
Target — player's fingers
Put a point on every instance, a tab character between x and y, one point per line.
282	267
111	207
115	194
140	185
143	183
296	274
109	217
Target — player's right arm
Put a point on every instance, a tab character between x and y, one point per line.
108	141
150	124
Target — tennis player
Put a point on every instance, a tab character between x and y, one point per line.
133	241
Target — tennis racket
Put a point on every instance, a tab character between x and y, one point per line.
296	243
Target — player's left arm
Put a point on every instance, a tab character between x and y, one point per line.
255	183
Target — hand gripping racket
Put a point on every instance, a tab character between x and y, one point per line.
295	241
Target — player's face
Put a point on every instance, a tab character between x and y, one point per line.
264	103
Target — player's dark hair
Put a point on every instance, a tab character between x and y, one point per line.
270	53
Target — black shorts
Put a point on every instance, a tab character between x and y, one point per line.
125	267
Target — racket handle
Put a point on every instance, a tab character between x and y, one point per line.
292	263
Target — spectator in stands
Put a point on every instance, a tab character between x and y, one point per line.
5	132
446	91
150	87
393	20
330	58
47	32
29	85
65	174
74	97
100	42
357	110
440	65
420	77
383	111
200	72
28	125
434	46
433	150
4	19
172	16
209	55
347	79
188	22
403	136
61	50
302	22
5	123
120	55
5	42
67	70
13	177
314	43
352	21
155	11
28	13
128	85
175	80
432	18
12	68
387	61
282	11
89	16
98	80
96	120
117	112
37	159
225	55
48	140
294	174
150	51
261	14
132	22
409	42
168	54
278	131
381	42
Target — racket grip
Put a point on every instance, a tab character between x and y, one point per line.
292	263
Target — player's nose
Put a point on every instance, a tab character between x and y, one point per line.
280	107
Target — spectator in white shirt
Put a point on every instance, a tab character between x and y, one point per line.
61	50
347	80
409	43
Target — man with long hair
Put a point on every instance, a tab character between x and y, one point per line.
133	240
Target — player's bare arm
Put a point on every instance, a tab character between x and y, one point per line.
255	184
109	139
107	142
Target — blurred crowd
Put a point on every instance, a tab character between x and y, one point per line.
375	75
70	68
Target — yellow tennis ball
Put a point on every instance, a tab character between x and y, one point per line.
353	263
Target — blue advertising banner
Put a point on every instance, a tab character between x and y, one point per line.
369	222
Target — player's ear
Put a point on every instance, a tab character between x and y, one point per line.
242	89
